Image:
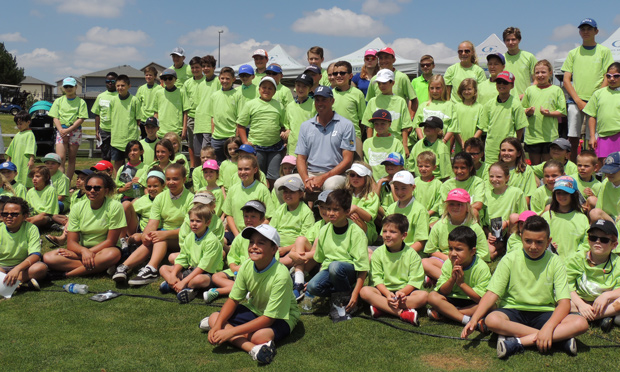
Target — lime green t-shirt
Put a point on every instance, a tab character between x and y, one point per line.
22	147
370	204
500	120
568	231
477	275
438	238
246	93
313	232
541	128
350	247
183	73
149	151
588	68
203	252
125	114
530	285
427	193
271	292
521	65
608	197
350	104
143	206
19	190
16	247
171	211
216	227
292	224
238	195
238	253
417	216
324	78
101	108
295	114
229	175
146	95
190	86
441	151
540	198
441	109
593	184
483	172
93	225
222	108
170	106
204	90
397	106
473	185
503	205
283	95
61	184
525	181
592	281
456	73
396	270
604	105
420	86
402	87
377	149
468	118
131	171
487	91
68	110
514	243
265	118
44	201
569	168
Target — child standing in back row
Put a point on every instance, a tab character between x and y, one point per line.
23	148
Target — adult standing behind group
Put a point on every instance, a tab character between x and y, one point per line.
361	80
466	68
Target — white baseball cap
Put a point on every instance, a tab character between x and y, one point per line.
403	177
385	75
267	231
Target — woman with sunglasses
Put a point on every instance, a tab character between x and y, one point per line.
361	80
467	67
92	232
20	250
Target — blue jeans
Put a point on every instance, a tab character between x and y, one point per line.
339	277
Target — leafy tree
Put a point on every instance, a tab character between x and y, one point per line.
10	73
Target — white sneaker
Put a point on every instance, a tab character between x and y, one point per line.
263	353
204	325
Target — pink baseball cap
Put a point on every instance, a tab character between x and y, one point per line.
459	195
525	215
210	164
289	159
370	52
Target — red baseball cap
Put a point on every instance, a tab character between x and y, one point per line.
506	76
102	165
387	50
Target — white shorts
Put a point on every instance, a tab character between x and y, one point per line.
576	120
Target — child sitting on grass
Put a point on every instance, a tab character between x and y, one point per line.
42	198
397	275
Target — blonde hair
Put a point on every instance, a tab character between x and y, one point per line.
170	136
444	92
202	211
471	217
369	183
428	157
544	62
474	56
467	83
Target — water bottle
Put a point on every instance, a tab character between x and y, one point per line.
76	288
136	190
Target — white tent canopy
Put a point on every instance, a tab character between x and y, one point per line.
612	42
290	67
356	59
490	45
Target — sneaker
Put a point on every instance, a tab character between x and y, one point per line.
124	243
570	346
607	324
410	316
429	282
31	285
164	287
433	314
298	291
375	313
263	353
210	295
204	325
186	295
146	275
508	346
111	270
120	276
482	327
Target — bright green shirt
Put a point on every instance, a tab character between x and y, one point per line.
522	67
68	110
438	238
222	107
101	108
61	184
170	107
238	253
540	198
93	225
500	120
487	91
131	171
204	90
377	149
569	168
283	95
146	96
588	68
22	147
216	227
313	232
525	181
530	285
402	87
292	224
604	105
171	211
350	247
44	201
514	243
568	231
592	281
350	104
266	120
18	246
246	93
427	193
370	204
541	128
441	151
183	73
593	184
19	190
143	206
473	185
420	86
477	275
149	151
503	205
608	197
397	106
417	216
441	109
203	252
468	118
190	86
456	73
396	270
295	114
125	114
238	195
229	175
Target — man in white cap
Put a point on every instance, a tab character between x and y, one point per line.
261	58
183	71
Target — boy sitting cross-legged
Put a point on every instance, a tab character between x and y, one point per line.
396	274
534	298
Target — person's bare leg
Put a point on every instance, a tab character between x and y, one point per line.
73	150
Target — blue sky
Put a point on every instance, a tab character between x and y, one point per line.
56	38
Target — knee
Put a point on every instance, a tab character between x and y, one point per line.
365	292
38	270
434	298
337	268
494	320
51	257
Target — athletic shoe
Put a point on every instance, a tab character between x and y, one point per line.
111	270
570	346
429	282
124	243
508	346
482	327
146	275
433	314
204	325
263	353
298	291
31	285
186	295
210	295
164	287
57	227
120	276
375	313
410	316
607	324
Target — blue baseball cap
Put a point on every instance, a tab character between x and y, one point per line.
324	91
69	81
612	163
274	68
7	165
499	56
247	148
381	114
394	158
565	183
589	22
313	68
246	69
86	172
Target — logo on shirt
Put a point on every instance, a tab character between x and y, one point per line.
334	133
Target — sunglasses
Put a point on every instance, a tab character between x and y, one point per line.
271	73
110	81
602	239
244	75
96	188
339	73
464	51
426	65
501	82
9	214
354	175
68	86
166	78
369	58
474	153
615	76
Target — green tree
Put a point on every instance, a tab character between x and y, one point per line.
10	72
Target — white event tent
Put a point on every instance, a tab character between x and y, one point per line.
290	67
612	42
491	44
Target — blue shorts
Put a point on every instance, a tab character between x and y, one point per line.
460	302
116	154
534	319
243	315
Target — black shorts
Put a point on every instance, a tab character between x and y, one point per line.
243	315
116	154
538	148
534	319
460	302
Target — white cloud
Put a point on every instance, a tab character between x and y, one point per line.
339	22
39	57
15	37
207	36
115	36
90	8
374	7
94	56
564	32
412	48
553	52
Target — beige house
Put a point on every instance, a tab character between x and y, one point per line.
39	89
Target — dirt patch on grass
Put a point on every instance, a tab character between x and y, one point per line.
454	362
